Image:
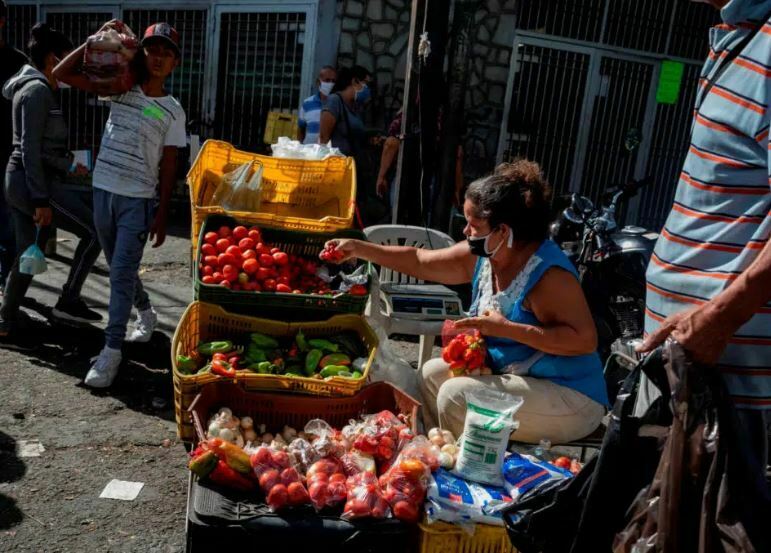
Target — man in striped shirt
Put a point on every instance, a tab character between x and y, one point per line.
309	119
709	280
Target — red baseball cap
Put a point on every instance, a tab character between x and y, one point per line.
164	32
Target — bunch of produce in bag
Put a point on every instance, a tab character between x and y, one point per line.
380	435
325	440
447	445
364	498
107	58
355	462
279	480
223	463
404	484
326	483
464	350
489	423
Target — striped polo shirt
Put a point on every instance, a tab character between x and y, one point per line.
721	217
310	118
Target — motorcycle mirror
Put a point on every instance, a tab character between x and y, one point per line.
580	208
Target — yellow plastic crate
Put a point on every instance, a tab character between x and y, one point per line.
280	124
204	321
440	537
312	196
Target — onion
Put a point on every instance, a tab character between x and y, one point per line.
437	440
267	438
228	435
434	432
446	460
448	437
261	429
214	430
250	435
450	449
247	423
225	412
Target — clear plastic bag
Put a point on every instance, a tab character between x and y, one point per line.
326	483
326	441
287	148
404	484
489	423
33	260
107	58
364	498
240	189
279	480
378	435
229	182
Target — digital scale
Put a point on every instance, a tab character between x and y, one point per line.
423	302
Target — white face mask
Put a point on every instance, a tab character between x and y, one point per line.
326	88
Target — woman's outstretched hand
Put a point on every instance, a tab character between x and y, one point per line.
339	251
489	323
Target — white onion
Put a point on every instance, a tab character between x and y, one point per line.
214	430
450	449
227	434
434	432
267	437
225	412
446	460
448	437
250	435
437	441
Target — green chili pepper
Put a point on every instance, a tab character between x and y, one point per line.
210	348
333	370
345	374
356	374
255	354
264	367
302	344
186	365
324	345
312	361
263	342
205	369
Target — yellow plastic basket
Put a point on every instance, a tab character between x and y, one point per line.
440	537
204	321
279	124
313	196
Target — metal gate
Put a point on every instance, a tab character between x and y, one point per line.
578	110
264	64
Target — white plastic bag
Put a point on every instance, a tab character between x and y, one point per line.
489	423
233	189
388	366
292	149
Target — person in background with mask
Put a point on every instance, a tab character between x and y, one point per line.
11	60
527	303
33	190
309	119
340	118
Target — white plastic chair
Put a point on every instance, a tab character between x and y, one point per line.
418	237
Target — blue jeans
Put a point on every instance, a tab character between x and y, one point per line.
122	224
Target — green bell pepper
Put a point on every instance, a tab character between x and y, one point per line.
210	348
324	345
263	342
186	365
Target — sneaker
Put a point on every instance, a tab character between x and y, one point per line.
144	326
104	369
13	338
75	311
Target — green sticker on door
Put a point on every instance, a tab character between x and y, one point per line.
670	82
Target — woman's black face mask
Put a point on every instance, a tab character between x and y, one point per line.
478	245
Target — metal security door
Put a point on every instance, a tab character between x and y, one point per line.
546	97
85	114
263	64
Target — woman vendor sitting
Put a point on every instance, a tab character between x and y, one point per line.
527	303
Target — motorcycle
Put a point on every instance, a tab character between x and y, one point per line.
611	264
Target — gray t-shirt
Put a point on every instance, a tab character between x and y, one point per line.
349	133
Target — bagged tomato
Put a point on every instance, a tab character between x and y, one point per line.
464	350
326	483
355	462
325	439
404	485
279	480
379	435
364	498
107	58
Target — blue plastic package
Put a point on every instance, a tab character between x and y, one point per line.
455	500
525	473
33	261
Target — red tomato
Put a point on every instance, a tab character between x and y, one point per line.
211	238
208	279
251	266
236	287
562	462
223	244
211	260
208	249
256	287
283	288
230	272
406	511
358	508
266	260
297	291
261	457
278	497
337	477
217	276
224	231
280	458
289	475
261	248
240	232
269	285
269	478
298	495
318	493
280	258
337	491
249	254
254	234
246	244
208	270
358	290
282	280
225	283
263	273
226	259
234	251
